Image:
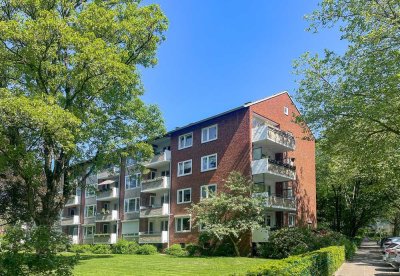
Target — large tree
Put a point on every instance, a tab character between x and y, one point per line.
70	90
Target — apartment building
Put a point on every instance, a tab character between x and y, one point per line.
259	139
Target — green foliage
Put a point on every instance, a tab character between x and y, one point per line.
176	250
231	213
81	248
125	247
322	262
147	249
193	249
101	249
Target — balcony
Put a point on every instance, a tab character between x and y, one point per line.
277	140
131	237
74	239
260	235
110	238
153	237
107	216
109	172
71	220
277	202
155	211
72	201
89	220
159	160
156	184
131	215
88	239
107	195
275	171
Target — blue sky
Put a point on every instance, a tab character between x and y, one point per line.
221	54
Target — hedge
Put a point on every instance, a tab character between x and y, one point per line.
322	262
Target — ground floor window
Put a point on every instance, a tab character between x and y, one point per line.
88	231
182	224
292	220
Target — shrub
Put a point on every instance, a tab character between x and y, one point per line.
125	247
176	250
81	248
193	249
224	249
147	249
320	262
101	249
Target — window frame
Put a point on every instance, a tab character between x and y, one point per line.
183	164
293	217
137	180
136	204
208	133
207	191
85	231
208	168
286	110
92	188
177	219
87	208
183	196
184	136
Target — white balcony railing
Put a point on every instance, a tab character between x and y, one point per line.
70	220
273	135
107	216
260	235
74	200
109	238
277	202
155	211
74	239
159	183
153	237
105	195
131	236
159	160
280	172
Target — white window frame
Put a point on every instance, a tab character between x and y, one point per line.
85	231
207	190
185	138
137	180
179	221
292	220
208	134
94	210
208	168
92	189
136	204
183	165
286	110
183	193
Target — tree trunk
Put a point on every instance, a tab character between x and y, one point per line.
235	246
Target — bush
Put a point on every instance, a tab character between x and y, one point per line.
320	262
101	249
224	248
193	249
176	250
125	247
147	249
81	248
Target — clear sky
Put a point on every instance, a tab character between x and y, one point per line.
220	54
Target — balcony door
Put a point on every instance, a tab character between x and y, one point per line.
151	227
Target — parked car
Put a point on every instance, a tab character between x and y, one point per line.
390	252
389	241
386	239
395	261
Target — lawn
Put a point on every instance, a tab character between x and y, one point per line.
162	265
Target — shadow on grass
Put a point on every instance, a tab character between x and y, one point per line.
99	256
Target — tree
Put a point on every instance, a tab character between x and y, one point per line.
232	213
70	90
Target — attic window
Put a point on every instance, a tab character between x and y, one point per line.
286	110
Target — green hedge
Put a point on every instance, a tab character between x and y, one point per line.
322	262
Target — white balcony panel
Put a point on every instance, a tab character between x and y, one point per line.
72	201
158	237
157	184
107	216
159	160
72	220
155	211
276	139
110	194
273	171
110	238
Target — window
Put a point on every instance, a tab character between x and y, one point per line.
89	231
209	162
90	211
132	181
207	191
132	205
286	110
268	220
184	196
164	173
90	191
185	141
209	134
202	226
105	228
182	224
292	220
164	225
185	167
152	200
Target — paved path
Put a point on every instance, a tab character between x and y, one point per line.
367	261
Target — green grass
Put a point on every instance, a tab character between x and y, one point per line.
162	265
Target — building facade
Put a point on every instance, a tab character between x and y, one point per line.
259	139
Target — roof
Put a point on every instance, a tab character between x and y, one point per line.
246	105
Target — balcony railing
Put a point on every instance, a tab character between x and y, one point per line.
74	200
107	216
159	183
70	220
153	237
260	235
277	202
74	239
88	240
155	211
110	238
159	160
109	194
280	171
274	135
131	237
